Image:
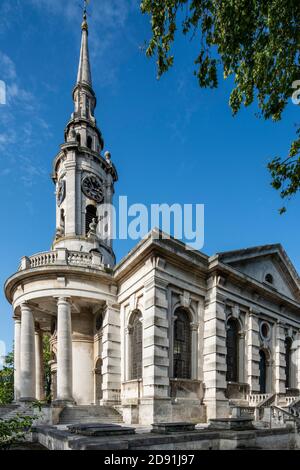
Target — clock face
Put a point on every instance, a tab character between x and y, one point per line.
61	192
92	188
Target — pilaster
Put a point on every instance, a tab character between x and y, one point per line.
214	363
155	402
253	351
111	356
279	359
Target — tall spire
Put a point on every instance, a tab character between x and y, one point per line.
84	70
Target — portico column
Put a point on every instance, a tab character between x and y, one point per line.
27	354
64	351
17	357
39	365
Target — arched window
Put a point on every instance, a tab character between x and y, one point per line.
78	138
269	278
262	371
89	142
90	214
232	345
288	362
136	369
182	345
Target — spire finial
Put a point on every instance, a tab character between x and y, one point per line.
84	71
84	25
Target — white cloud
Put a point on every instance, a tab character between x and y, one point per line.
20	127
7	68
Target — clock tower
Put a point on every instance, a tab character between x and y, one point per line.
84	179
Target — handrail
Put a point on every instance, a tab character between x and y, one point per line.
282	410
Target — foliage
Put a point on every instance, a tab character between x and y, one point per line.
47	367
15	429
254	41
7	380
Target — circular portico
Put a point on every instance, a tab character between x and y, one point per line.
61	293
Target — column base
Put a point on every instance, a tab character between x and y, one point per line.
26	400
109	403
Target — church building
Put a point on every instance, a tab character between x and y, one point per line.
166	334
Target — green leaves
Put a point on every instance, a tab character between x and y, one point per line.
15	429
7	381
255	41
286	173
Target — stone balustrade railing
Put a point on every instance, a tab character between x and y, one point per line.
256	398
62	256
78	258
43	259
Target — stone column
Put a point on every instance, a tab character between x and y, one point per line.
27	354
64	352
253	352
111	356
17	358
39	365
279	358
214	362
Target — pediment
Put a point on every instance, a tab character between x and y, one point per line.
268	265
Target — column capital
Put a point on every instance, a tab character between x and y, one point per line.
253	312
16	319
25	306
63	300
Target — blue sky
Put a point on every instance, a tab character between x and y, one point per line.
170	140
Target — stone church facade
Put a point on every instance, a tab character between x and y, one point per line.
166	334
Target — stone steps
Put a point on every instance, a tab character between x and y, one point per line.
89	414
7	409
18	410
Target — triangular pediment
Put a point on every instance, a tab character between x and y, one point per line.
268	265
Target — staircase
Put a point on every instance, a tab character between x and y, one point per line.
14	410
89	414
6	409
272	410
